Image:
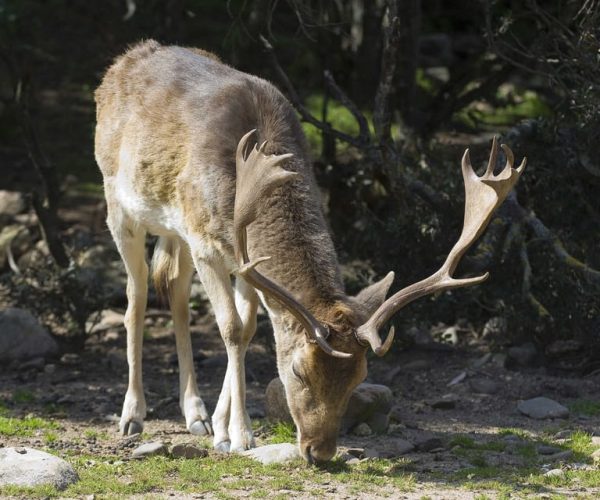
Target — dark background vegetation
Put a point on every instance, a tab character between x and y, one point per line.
391	92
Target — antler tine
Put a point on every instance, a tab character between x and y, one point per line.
482	196
489	171
257	176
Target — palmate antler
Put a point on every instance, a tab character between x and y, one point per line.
482	196
257	176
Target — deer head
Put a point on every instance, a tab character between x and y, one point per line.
321	368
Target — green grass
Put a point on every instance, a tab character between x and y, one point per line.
220	476
283	432
24	427
21	396
585	407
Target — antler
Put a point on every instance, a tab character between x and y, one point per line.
257	176
482	196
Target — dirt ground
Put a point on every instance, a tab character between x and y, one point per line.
82	392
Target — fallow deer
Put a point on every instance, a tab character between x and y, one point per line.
175	141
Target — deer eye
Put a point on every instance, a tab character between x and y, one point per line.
297	375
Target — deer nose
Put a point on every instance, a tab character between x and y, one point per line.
318	452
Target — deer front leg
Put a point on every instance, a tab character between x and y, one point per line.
129	239
231	424
192	407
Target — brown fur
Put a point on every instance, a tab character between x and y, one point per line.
176	115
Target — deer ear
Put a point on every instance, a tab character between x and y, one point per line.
374	295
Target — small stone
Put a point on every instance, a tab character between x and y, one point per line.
150	450
417	365
50	368
188	451
70	358
11	202
29	467
555	473
484	386
274	453
33	364
547	450
563	455
356	452
542	408
523	355
564	434
429	443
400	447
362	430
446	402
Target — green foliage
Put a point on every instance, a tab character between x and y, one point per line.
283	432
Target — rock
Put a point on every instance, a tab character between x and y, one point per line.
417	365
484	386
543	449
22	337
70	358
595	440
276	407
188	451
11	202
362	429
523	355
563	455
150	450
555	473
356	452
446	402
371	453
428	443
369	403
562	347
33	364
28	467
541	408
274	453
494	331
564	434
596	456
399	447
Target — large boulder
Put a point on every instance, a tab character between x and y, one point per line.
28	467
369	403
22	337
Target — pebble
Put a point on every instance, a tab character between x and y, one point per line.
542	408
429	443
149	450
362	429
446	402
70	358
188	451
484	386
274	453
547	450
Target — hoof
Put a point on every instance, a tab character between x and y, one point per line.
200	428
223	446
132	427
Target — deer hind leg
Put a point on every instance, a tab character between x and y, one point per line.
130	240
231	424
174	262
